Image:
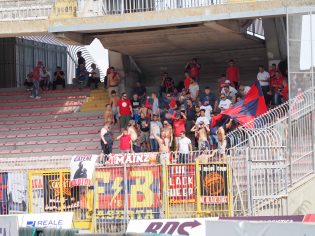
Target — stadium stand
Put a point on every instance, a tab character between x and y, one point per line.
52	126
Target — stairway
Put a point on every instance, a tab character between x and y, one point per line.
96	101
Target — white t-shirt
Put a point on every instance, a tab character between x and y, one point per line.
204	119
184	145
246	89
45	75
97	73
261	76
232	90
224	104
208	110
194	89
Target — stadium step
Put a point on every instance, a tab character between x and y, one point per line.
96	101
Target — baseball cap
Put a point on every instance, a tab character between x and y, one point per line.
227	81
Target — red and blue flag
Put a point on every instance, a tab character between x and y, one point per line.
244	111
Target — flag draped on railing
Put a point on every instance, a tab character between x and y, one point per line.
244	111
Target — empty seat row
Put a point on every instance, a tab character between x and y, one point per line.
66	90
35	106
45	150
30	114
62	119
40	127
44	99
45	134
56	141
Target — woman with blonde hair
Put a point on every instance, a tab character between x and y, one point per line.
221	142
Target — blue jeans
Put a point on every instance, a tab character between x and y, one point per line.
183	158
35	91
154	145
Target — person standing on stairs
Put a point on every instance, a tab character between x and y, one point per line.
114	98
36	78
124	111
106	141
113	80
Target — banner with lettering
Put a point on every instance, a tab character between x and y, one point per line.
214	183
82	169
141	186
3	193
57	186
17	192
181	183
131	158
37	191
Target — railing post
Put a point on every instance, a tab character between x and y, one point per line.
249	179
165	190
197	169
126	195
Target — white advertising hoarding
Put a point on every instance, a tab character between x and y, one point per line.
194	226
9	226
47	220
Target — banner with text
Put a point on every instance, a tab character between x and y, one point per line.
3	193
17	192
141	187
82	168
214	183
181	183
131	158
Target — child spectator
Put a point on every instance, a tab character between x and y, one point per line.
124	141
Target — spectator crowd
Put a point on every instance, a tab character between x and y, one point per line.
178	118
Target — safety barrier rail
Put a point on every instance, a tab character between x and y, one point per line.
275	151
25	10
118	193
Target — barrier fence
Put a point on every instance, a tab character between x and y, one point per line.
119	193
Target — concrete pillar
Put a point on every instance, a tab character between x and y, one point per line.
128	71
276	39
115	59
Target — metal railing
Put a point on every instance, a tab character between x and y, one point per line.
274	151
25	10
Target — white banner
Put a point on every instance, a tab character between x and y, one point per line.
37	193
9	226
17	192
82	169
194	226
47	220
236	228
